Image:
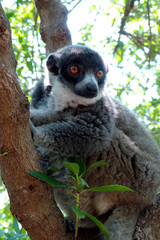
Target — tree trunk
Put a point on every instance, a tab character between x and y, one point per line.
31	200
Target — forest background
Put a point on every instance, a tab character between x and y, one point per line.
125	33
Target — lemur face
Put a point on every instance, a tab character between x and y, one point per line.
78	68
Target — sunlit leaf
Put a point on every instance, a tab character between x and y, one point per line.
16	226
2	233
3	154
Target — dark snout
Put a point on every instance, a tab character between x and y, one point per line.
88	90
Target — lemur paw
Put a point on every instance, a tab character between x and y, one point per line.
32	128
33	117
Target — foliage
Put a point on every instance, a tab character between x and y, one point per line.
10	229
27	45
132	40
77	172
126	31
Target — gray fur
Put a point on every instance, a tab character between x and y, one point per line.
66	124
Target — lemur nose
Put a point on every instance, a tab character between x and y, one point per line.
88	90
91	88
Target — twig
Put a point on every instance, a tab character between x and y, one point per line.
150	33
75	6
128	8
138	39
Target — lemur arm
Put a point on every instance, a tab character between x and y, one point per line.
41	116
74	137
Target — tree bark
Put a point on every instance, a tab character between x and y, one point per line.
54	30
31	200
148	224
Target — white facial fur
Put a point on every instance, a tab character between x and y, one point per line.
64	97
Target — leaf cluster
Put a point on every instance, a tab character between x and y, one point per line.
27	44
77	173
133	42
10	229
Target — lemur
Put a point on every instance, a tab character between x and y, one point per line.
71	115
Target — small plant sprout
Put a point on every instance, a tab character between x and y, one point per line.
77	172
3	154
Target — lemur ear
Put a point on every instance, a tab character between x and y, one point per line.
52	64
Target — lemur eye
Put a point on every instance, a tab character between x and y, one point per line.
74	69
99	73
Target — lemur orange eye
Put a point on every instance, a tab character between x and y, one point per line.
99	73
74	69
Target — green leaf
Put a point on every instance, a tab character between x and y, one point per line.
2	233
47	179
80	162
98	224
71	193
98	164
95	165
15	237
78	212
108	188
30	65
73	167
3	154
82	182
16	226
54	169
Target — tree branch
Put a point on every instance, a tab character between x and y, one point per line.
150	33
75	6
53	28
138	39
128	8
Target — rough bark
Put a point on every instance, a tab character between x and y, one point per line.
148	224
53	28
31	200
